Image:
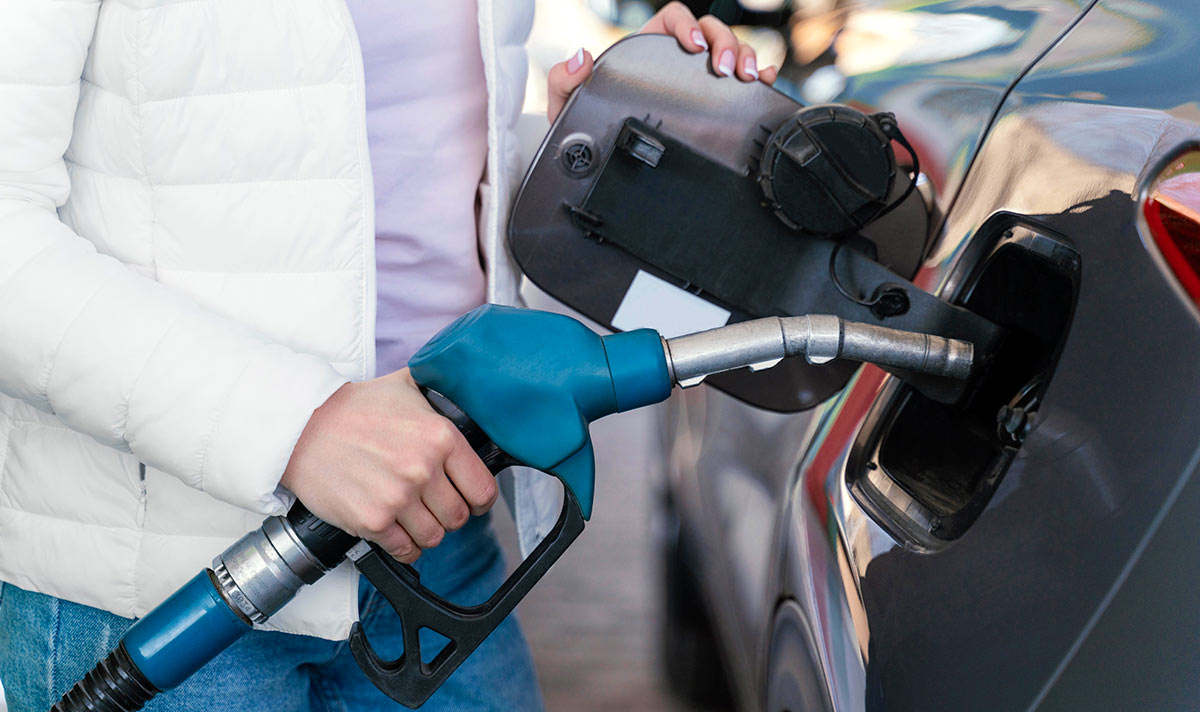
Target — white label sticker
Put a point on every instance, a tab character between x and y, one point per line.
671	311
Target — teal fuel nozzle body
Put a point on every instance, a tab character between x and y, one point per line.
533	381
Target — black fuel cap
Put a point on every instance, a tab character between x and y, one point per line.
828	170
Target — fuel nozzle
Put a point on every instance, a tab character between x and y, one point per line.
762	343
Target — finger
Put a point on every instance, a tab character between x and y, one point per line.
747	63
723	43
471	478
767	75
677	20
421	526
564	78
397	543
446	504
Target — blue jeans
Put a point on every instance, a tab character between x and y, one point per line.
47	644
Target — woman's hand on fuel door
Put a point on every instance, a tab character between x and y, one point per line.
729	57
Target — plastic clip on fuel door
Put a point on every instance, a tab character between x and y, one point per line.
532	382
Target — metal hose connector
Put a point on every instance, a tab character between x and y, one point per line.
114	685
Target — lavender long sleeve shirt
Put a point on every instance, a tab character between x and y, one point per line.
427	135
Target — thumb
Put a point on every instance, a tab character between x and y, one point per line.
564	78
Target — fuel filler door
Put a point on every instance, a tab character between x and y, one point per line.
667	197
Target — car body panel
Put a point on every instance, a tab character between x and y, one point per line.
1087	530
943	68
727	475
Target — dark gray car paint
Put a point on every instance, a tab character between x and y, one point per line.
1073	589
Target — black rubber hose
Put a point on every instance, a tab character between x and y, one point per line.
114	685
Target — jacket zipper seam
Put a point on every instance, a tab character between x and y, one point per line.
366	180
142	495
4	447
137	96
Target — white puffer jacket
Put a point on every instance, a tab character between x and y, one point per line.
186	272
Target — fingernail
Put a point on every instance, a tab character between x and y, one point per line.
751	67
725	67
698	38
575	62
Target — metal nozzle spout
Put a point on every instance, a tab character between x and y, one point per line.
762	343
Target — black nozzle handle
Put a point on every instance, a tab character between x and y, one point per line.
323	540
408	680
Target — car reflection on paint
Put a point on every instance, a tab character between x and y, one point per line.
877	554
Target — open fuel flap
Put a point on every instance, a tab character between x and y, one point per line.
926	470
665	196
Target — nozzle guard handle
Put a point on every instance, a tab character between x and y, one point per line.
410	681
407	679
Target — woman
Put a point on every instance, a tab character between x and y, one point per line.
191	253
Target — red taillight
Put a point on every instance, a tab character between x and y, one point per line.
1172	212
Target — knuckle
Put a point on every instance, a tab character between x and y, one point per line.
432	538
721	32
485	493
410	472
377	522
459	515
399	461
398	499
420	476
402	547
441	433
